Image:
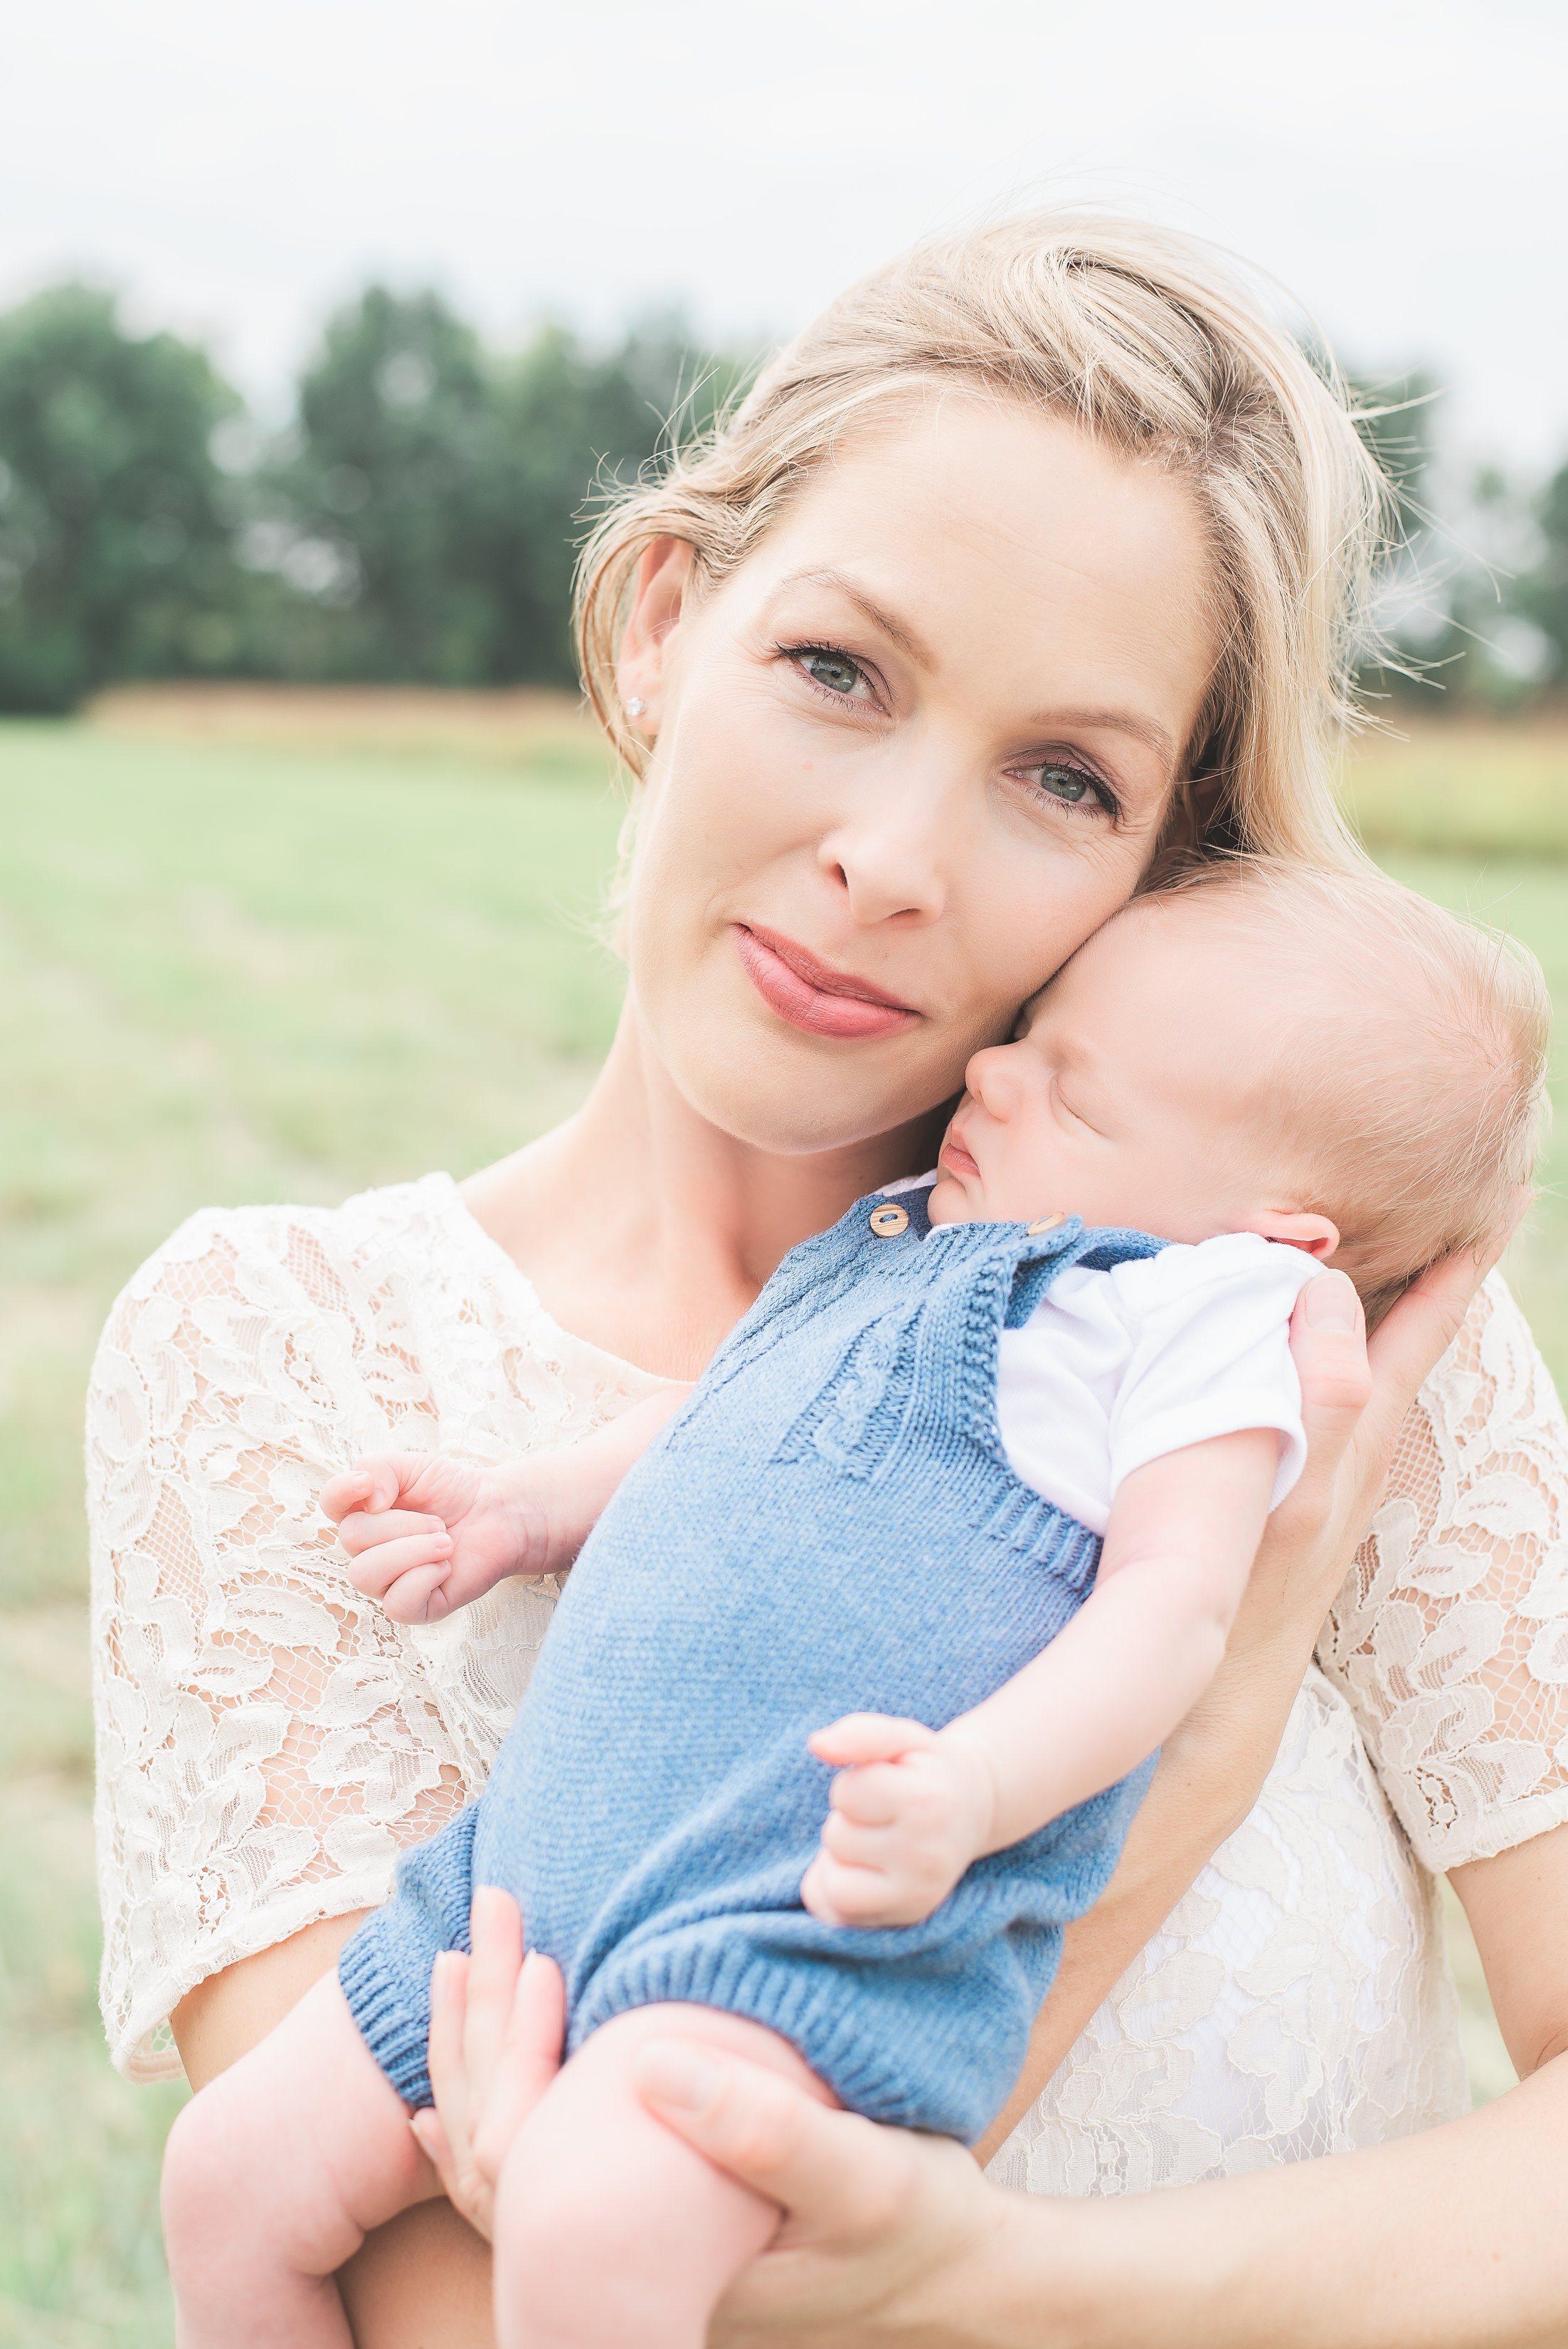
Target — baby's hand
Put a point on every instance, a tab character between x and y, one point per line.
426	1534
910	1811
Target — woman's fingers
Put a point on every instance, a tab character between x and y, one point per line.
497	2024
495	1938
529	2059
1417	1331
762	2128
870	2214
447	2141
1328	1346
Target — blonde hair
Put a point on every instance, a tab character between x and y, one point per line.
1409	1081
1142	338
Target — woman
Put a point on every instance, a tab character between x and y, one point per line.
1039	554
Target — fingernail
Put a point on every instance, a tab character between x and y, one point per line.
1331	1302
678	2075
438	1974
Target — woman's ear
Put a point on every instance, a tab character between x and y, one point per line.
658	598
1315	1234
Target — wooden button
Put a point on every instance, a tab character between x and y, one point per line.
1045	1223
888	1221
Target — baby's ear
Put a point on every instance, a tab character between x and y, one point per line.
1315	1234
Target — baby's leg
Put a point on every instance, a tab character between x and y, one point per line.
275	2173
611	2230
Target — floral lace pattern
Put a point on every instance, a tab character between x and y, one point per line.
268	1740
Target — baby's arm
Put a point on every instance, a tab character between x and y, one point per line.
273	2177
912	1807
427	1533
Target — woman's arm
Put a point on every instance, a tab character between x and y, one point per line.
422	2282
1452	2240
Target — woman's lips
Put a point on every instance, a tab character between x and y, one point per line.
804	991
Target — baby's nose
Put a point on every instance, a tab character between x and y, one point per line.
992	1079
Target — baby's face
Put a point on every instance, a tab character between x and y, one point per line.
1124	1100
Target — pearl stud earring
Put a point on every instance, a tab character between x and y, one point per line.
636	707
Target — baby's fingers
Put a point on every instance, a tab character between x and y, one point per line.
873	1795
862	1897
371	1485
862	1737
341	1494
363	1532
380	1570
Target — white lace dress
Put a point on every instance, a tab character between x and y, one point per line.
268	1740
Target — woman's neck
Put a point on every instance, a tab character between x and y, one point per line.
648	1230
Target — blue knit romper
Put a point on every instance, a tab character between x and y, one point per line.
829	1525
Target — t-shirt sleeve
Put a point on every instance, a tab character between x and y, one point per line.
1211	1352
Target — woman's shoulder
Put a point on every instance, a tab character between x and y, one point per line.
401	1247
416	1221
393	1317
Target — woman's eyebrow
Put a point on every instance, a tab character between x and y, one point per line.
1147	730
898	631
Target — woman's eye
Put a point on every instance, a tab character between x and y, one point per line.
832	670
1071	787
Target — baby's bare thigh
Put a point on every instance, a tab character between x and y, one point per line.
613	2049
612	2229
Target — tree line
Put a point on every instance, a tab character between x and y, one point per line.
418	519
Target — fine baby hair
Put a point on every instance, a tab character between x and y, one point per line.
1150	342
1408	1089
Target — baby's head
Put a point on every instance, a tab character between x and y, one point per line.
1324	1058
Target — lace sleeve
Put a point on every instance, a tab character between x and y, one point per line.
267	1739
1450	1638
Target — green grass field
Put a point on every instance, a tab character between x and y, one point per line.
228	974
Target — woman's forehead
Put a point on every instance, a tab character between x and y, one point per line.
1010	545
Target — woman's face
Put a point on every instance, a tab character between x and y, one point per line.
906	759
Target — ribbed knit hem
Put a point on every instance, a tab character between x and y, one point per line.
948	2069
384	1969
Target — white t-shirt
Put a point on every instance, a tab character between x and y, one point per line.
1113	1369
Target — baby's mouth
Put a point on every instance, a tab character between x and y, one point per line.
955	1158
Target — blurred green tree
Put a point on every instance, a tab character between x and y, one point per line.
1541	594
428	500
115	555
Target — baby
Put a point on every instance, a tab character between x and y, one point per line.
888	1622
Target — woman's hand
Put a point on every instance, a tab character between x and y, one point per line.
1357	1395
498	2022
886	2235
1356	1398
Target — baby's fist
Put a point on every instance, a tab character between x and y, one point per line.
910	1811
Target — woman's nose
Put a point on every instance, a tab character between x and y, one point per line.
892	854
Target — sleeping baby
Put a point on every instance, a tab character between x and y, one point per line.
861	1672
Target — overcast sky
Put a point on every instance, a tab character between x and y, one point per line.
237	168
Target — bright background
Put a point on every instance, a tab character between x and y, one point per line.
238	170
257	947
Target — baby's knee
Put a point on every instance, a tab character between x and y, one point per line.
203	2187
